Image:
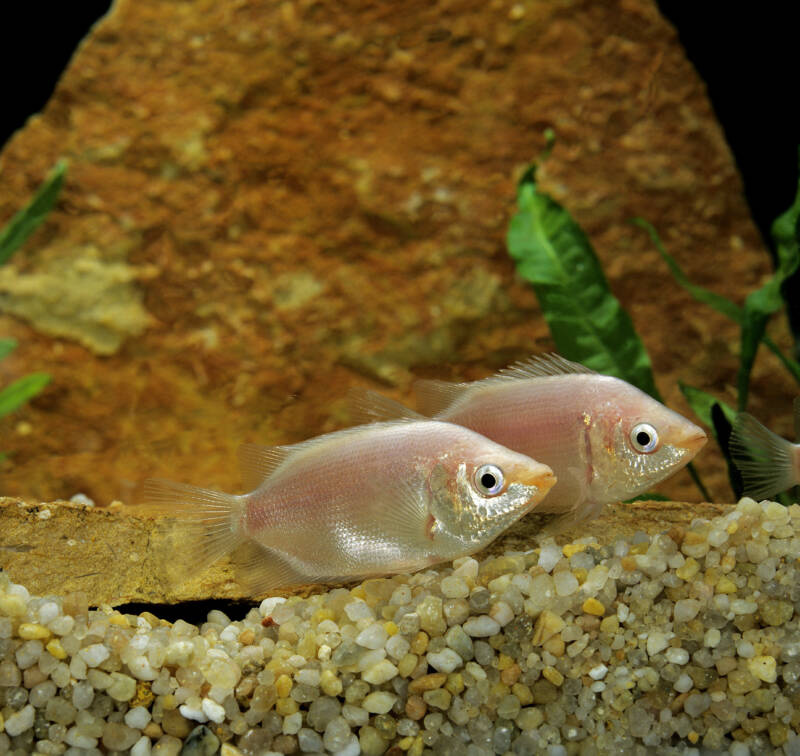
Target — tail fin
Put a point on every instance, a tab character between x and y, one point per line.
210	519
765	460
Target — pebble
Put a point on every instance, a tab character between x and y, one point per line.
666	643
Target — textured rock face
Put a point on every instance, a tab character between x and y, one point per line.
294	197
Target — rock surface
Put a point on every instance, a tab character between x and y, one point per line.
291	198
114	555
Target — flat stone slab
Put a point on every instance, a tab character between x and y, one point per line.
117	555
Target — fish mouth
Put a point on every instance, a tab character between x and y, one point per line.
694	442
538	476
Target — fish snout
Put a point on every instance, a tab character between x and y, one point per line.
536	475
695	441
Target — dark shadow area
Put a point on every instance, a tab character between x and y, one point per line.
38	41
747	56
194	612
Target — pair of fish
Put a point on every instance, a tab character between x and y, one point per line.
400	494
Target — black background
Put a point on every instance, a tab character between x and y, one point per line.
744	52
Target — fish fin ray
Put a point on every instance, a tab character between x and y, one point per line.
542	365
257	463
208	522
434	397
369	406
765	460
260	570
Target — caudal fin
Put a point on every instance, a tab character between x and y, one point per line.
208	521
765	460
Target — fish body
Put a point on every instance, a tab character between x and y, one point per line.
604	439
769	464
376	499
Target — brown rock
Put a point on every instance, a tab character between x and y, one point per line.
291	199
79	552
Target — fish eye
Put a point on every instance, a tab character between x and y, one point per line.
644	438
489	480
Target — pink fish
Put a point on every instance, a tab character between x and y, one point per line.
604	439
376	499
768	463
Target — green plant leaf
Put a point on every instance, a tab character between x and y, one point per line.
586	320
759	305
18	392
702	403
6	347
27	220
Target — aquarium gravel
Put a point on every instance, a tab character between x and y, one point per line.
684	642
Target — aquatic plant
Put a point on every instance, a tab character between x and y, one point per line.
12	237
587	322
589	325
759	306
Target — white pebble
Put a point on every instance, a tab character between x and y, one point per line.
686	610
140	668
357	610
20	721
466	567
454	587
677	655
379	702
481	626
445	660
683	683
214	711
502	613
374	636
268	604
141	747
598	672
397	646
743	606
95	654
549	556
193	712
745	649
656	643
712	638
138	717
292	723
566	583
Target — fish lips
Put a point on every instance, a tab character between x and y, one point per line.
537	477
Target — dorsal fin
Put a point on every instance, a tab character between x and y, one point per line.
367	406
257	463
434	397
541	365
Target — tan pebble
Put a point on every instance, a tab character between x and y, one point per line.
555	646
639	548
455	683
118	619
553	675
419	644
693	737
428	682
283	686
593	606
523	693
286	706
246	637
764	668
329	683
511	674
571	549
610	624
415	707
693	538
229	750
173	723
688	569
547	625
153	730
628	563
725	585
407	665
